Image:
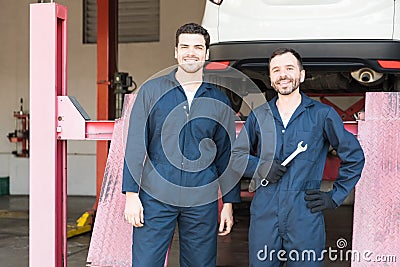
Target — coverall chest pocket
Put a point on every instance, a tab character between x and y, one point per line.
309	138
167	120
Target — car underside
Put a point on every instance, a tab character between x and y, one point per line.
333	67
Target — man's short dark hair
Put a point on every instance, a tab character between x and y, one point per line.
193	28
284	50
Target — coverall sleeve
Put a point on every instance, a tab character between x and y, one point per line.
349	151
136	144
246	160
224	137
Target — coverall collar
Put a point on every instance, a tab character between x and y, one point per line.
202	89
305	103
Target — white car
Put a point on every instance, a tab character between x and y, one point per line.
348	46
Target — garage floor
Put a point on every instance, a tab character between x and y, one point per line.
232	249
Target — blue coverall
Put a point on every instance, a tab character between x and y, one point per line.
280	219
178	156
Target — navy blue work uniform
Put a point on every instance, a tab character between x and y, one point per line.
177	155
282	228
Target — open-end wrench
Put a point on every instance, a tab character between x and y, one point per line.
299	149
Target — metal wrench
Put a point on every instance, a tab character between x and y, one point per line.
299	149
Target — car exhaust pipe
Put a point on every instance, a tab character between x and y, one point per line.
366	75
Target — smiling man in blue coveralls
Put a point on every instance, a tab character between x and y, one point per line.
287	223
177	152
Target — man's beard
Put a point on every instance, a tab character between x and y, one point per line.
287	91
192	67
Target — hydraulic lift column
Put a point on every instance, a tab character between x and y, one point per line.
47	172
55	118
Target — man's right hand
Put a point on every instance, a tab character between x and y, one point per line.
275	172
133	209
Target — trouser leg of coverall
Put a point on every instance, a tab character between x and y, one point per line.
306	236
198	229
264	236
150	242
264	241
291	229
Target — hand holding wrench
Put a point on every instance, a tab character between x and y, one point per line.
299	149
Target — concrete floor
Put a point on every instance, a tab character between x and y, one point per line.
232	249
14	231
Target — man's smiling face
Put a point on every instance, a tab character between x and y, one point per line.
191	52
285	73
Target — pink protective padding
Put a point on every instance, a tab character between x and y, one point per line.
111	241
376	228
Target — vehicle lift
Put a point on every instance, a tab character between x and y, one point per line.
57	117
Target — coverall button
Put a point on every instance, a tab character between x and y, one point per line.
283	131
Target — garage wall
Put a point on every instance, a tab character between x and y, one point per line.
141	60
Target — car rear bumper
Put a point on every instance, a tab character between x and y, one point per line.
334	55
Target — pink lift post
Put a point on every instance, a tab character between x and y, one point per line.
47	205
55	118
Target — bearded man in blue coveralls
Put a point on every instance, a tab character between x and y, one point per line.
287	222
178	149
